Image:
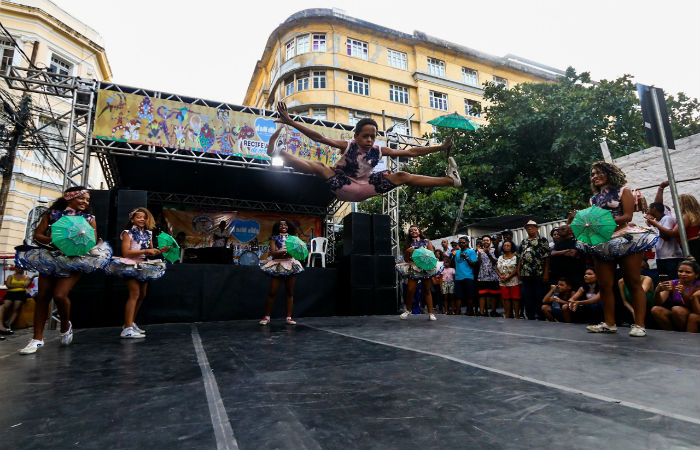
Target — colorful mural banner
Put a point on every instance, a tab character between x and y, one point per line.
138	119
244	227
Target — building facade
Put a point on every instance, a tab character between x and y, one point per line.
327	65
39	30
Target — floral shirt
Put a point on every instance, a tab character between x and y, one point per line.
533	253
609	199
486	270
506	266
140	239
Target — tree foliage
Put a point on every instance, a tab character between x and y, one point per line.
534	155
684	115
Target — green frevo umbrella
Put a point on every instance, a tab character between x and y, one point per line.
296	248
73	235
593	225
424	259
165	240
455	121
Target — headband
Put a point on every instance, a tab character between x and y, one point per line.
133	213
68	196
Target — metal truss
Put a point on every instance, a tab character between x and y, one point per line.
202	201
329	228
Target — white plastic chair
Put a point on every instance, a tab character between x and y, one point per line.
318	247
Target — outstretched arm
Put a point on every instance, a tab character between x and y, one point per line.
313	135
418	151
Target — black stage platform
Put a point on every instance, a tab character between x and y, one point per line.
355	383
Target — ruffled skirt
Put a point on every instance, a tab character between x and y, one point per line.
629	240
142	270
53	263
410	270
282	267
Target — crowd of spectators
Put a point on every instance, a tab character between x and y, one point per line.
539	279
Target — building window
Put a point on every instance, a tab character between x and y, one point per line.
398	94
302	81
358	49
436	67
319	113
470	76
500	81
319	80
358	84
397	59
7	53
400	127
355	116
319	43
288	86
438	100
290	49
303	44
472	108
60	66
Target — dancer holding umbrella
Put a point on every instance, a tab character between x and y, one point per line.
605	231
67	235
286	250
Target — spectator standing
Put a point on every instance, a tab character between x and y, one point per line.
465	260
220	235
488	278
566	260
448	287
690	209
507	270
506	235
668	251
533	267
446	249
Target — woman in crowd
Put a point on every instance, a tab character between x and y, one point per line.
585	302
487	282
626	247
690	209
16	295
676	300
507	270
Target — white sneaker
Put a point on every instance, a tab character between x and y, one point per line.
452	172
67	337
290	321
404	315
602	327
432	317
265	320
137	329
130	333
32	347
637	331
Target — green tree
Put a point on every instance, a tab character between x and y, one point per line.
684	114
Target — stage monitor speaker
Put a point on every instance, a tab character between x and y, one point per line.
356	234
384	271
208	255
361	301
384	302
381	234
101	204
360	268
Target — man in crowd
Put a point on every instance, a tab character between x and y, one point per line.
464	262
566	261
446	249
668	251
533	266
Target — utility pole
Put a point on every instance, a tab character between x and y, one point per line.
7	163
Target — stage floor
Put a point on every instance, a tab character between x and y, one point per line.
354	383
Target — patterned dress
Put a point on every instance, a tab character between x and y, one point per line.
353	180
281	267
51	262
413	272
139	268
624	241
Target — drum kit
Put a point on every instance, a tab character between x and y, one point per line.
250	257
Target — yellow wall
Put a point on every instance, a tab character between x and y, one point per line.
337	64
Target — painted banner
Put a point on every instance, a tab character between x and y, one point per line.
168	123
244	227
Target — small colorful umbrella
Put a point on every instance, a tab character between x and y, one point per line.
73	235
296	248
165	240
593	225
424	259
456	122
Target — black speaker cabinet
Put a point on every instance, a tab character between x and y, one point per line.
357	234
100	202
361	301
384	271
384	302
381	234
360	269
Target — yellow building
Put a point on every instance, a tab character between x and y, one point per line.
327	65
62	44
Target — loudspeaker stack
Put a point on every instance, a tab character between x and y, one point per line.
368	266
